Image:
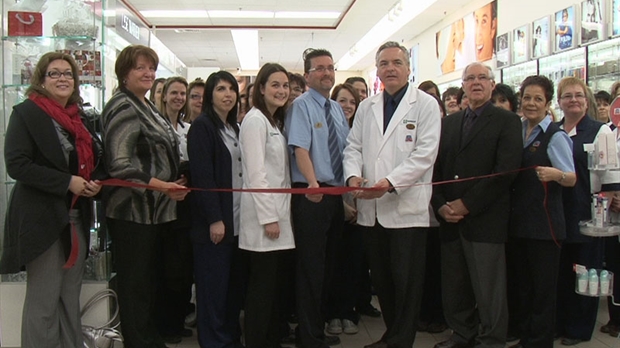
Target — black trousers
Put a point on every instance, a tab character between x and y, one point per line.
220	284
473	283
536	264
512	286
431	310
176	288
263	307
576	313
317	228
612	263
138	271
397	260
345	287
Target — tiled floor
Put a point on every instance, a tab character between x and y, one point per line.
371	330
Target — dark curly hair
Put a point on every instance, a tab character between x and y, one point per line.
540	81
502	90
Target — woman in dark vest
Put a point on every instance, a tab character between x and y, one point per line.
576	315
535	236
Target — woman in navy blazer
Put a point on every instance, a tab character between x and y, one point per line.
216	163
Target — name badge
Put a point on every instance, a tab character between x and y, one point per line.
535	146
318	125
410	126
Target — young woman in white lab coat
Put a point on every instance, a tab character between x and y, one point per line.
265	230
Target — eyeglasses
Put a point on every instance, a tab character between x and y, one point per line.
195	96
322	69
297	89
472	78
54	74
571	96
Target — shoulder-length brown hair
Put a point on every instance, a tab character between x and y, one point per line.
258	99
154	88
353	92
128	58
162	105
40	73
198	82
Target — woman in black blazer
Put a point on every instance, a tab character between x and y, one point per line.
53	158
216	163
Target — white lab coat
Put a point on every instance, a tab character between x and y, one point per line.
404	155
264	158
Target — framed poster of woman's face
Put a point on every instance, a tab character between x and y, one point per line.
503	50
592	21
565	29
520	49
541	37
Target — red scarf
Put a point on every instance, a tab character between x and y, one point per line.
69	119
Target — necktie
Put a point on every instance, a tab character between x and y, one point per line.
388	112
334	148
470	118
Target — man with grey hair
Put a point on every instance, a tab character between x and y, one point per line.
392	147
473	214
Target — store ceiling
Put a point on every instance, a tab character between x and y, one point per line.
207	42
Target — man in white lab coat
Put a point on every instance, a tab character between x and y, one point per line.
392	147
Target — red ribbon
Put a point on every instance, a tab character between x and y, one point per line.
335	190
75	243
332	190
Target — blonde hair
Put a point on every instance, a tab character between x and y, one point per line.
571	81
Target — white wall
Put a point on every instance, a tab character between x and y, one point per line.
203	73
511	14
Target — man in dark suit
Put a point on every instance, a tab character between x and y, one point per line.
477	141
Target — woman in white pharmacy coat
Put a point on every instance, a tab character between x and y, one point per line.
265	231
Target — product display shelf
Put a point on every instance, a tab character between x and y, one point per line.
604	64
560	65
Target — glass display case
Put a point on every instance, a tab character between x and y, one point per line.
514	75
32	28
603	64
560	65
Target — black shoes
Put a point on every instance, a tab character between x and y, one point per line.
452	344
369	310
378	344
329	340
571	341
177	337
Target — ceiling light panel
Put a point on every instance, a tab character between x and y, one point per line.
246	45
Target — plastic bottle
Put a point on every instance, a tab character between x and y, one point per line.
592	282
582	282
604	281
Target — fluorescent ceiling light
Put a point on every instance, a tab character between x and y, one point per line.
246	44
307	15
174	14
397	17
241	14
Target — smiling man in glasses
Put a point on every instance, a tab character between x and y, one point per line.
480	140
317	130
